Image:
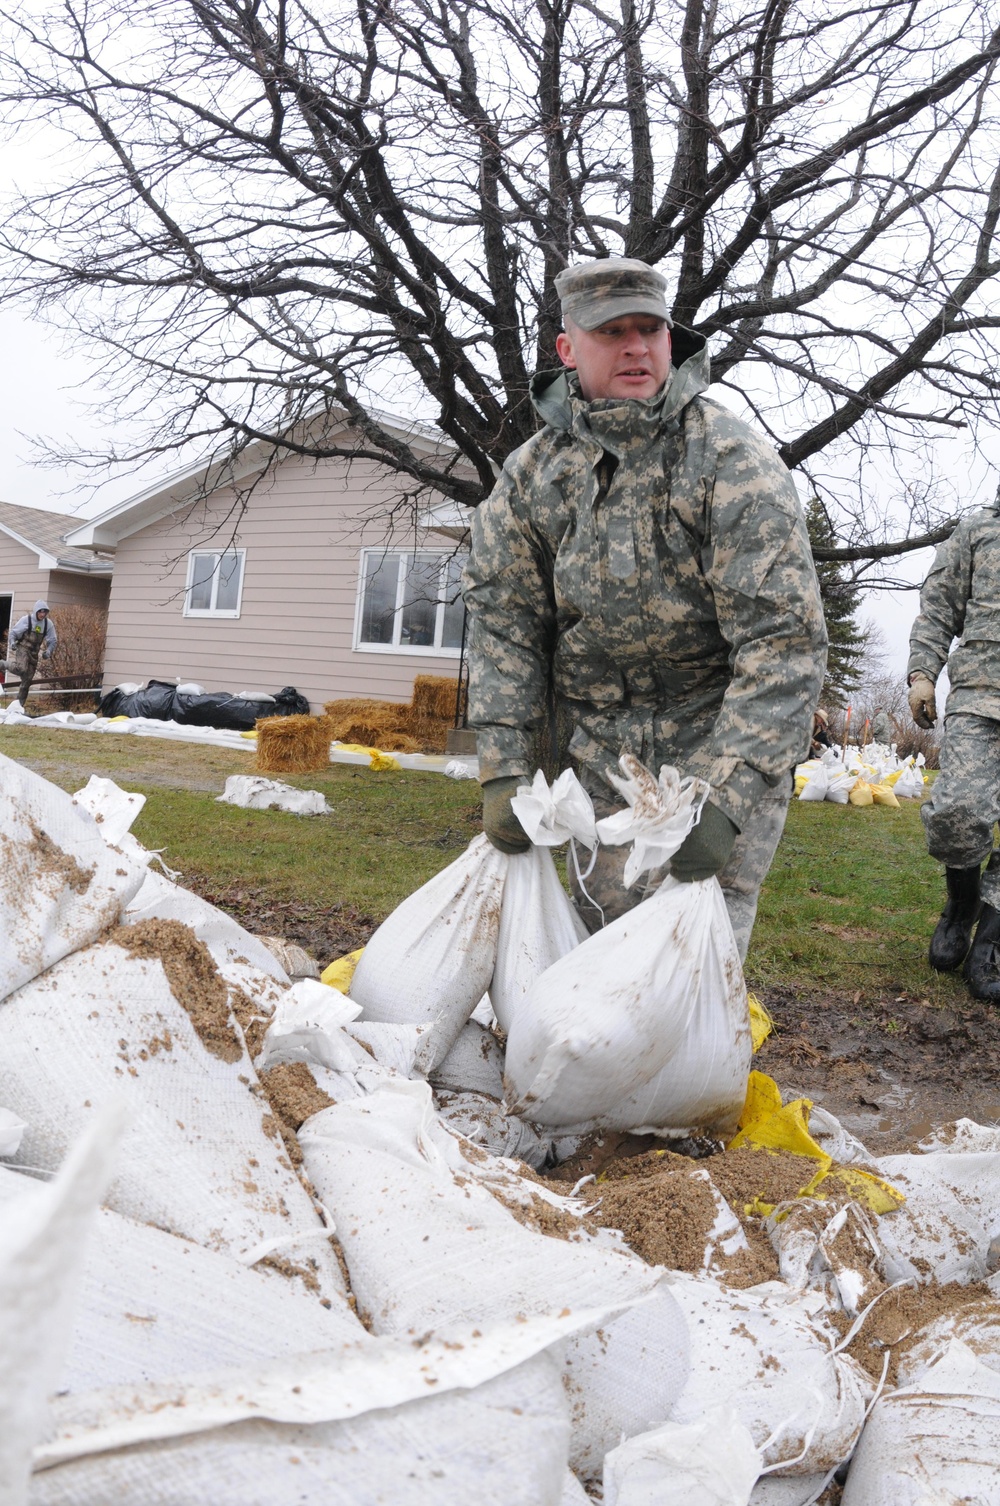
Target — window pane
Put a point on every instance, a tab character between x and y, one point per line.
454	607
202	571
379	602
227	596
420	598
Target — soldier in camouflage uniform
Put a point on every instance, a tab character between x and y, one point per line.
961	599
645	554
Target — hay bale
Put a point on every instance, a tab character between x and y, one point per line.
361	707
292	745
434	698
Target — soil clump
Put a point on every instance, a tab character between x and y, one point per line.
194	979
294	1096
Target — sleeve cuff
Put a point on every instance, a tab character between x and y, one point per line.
736	789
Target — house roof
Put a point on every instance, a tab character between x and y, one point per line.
43	533
177	489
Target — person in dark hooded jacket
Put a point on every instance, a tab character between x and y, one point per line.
32	637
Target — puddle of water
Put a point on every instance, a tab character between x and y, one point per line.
905	1115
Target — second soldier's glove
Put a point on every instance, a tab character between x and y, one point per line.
499	822
706	848
921	697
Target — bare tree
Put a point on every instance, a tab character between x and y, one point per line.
274	210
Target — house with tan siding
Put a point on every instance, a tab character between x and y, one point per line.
36	564
305	577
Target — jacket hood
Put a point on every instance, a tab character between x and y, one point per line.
40	606
553	392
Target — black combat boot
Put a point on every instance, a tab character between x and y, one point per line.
953	934
982	966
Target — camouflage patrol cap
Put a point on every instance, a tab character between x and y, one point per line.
592	292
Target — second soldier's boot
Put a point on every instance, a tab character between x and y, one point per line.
982	966
953	934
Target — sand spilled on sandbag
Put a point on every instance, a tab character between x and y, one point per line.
194	979
663	1207
294	1096
48	857
898	1319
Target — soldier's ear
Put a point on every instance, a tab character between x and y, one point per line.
564	349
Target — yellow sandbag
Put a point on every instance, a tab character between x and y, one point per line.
891	779
250	736
761	1023
338	974
861	794
771	1125
883	795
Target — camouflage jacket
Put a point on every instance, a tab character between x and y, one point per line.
651	559
961	599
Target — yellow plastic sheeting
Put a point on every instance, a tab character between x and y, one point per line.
761	1023
773	1126
377	758
339	974
251	737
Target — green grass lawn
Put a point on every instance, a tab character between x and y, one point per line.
849	904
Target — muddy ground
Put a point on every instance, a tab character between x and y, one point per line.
325	933
890	1068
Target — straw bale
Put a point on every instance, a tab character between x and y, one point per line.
360	707
292	745
434	697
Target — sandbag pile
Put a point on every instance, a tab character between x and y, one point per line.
872	775
304	1284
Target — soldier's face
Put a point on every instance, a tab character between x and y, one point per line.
627	357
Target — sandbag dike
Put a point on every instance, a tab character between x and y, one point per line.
473	1325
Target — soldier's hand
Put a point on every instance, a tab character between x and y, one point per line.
706	848
499	822
922	704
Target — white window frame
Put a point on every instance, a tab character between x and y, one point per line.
423	651
214	611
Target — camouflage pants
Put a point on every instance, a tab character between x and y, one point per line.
741	878
964	806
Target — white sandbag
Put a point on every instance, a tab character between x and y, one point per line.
951	1216
482	1120
538	925
596	1039
290	957
473	1065
197	1158
253	792
61	885
934	1440
498	1441
113	808
839	784
425	1242
712	1462
695	1344
817	784
573	1493
960	1136
42	1240
152	1306
552	815
658	994
432	960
